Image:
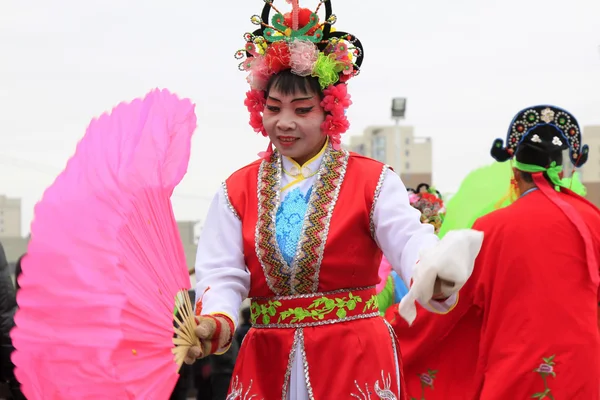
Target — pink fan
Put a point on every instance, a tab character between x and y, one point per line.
105	268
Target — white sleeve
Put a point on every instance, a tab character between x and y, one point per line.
220	262
401	235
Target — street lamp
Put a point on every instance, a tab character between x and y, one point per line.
398	108
398	113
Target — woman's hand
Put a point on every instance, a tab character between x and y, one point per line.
215	334
439	289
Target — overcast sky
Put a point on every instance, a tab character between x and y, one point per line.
466	67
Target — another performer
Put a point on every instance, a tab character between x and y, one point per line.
430	204
302	231
526	323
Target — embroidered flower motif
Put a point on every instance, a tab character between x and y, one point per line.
556	141
427	379
536	139
383	390
545	370
237	391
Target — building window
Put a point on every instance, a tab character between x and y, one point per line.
407	141
407	166
379	148
360	149
406	153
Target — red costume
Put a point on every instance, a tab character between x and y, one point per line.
526	322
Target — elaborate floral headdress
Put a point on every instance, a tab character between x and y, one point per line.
300	42
429	202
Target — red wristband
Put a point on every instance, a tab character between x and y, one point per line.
231	328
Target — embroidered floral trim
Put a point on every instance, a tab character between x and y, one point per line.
288	370
309	388
303	275
316	311
264	312
237	391
228	200
382	389
274	267
427	379
384	171
545	370
311	246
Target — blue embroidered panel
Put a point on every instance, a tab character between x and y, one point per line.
288	222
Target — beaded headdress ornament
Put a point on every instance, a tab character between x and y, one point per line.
299	41
565	124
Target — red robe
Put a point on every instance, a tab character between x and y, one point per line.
526	322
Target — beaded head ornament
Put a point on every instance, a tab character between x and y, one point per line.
527	122
299	41
429	202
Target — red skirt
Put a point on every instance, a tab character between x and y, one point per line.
342	345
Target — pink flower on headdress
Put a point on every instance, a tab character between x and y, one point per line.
413	198
259	72
255	102
303	56
256	123
334	126
336	100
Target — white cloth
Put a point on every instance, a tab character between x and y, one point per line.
452	259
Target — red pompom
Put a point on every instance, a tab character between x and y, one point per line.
303	20
278	57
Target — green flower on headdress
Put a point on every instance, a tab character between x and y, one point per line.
327	70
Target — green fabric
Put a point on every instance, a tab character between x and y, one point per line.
487	189
481	192
574	183
553	171
386	296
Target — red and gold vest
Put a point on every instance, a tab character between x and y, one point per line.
336	250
